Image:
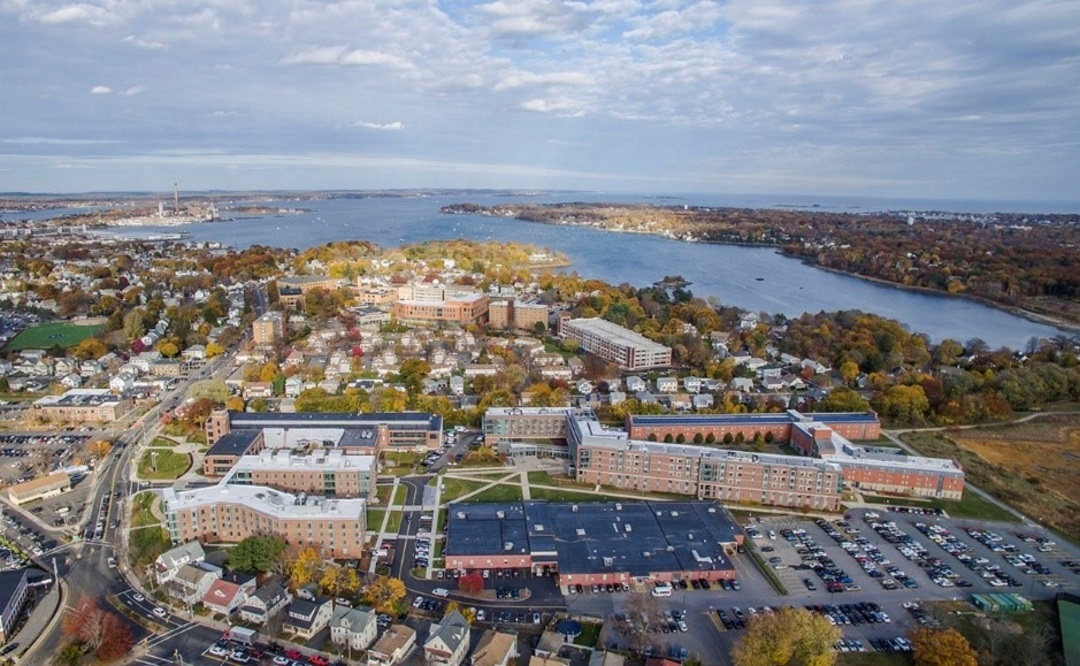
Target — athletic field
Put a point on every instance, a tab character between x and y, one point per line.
43	336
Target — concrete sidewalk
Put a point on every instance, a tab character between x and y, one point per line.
40	619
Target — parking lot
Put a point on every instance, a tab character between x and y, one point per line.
867	572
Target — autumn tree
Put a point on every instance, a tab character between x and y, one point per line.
118	639
235	403
99	448
214	349
383	593
340	581
98	630
789	636
90	348
304	568
941	647
471	583
644	614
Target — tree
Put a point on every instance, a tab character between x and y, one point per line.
942	647
849	372
789	636
383	593
99	448
905	403
214	349
89	348
212	389
304	568
471	583
118	639
844	399
644	613
168	349
235	403
257	555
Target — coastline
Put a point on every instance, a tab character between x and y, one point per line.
1029	315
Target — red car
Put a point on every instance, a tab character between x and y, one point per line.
293	654
318	660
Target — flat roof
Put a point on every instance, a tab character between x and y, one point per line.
636	538
234	443
79	398
615	333
268	501
340	419
284	460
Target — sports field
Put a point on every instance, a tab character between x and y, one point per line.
43	336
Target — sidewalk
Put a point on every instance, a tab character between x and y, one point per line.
40	618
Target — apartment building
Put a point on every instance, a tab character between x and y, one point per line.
329	473
712	428
229	513
229	448
611	342
269	329
81	406
508	424
514	314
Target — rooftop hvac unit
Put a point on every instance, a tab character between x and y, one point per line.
573	507
629	527
500	515
674	514
461	515
618	506
581	531
508	546
609	561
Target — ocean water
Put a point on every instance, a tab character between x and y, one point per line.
756	279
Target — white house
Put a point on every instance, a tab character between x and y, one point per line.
448	641
266	602
355	627
667	384
635	384
169	562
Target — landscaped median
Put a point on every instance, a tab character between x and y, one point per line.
773	579
158	464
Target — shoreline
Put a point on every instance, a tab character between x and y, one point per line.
1029	315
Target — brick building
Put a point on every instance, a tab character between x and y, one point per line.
611	342
322	472
335	528
514	314
269	329
81	406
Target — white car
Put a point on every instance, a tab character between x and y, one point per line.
217	651
282	660
159	611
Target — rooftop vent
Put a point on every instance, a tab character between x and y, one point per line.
500	515
461	515
581	531
618	506
609	561
629	527
538	527
574	508
508	546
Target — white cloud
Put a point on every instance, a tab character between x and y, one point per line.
341	55
520	79
82	12
100	90
144	43
560	107
396	125
135	90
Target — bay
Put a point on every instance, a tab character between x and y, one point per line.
753	278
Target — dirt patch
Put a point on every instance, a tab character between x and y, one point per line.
1046	454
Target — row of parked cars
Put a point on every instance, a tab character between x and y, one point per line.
240	653
814	557
866	612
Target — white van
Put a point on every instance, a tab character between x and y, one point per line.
662	590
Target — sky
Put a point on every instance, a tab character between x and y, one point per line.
906	98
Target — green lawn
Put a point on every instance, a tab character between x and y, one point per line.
46	335
382	493
163	443
394	524
169	465
455	488
375	518
540	477
500	493
560	495
400	496
147	541
590	632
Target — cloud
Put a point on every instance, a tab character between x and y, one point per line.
144	43
396	125
74	14
221	113
100	90
530	18
560	107
135	90
521	79
341	55
48	140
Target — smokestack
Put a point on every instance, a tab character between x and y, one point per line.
176	197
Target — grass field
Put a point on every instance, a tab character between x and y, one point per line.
169	465
455	488
147	538
1031	466
498	494
971	506
46	335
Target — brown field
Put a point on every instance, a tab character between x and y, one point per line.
1034	466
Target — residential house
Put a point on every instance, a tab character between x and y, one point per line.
457	385
169	562
224	597
681	402
293	386
258	390
495	648
692	384
266	602
191	583
635	384
305	618
354	627
743	384
703	401
393	646
772	383
771	371
605	658
448	641
616	397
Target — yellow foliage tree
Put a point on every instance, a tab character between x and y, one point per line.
304	568
942	647
792	635
99	448
214	349
235	403
383	592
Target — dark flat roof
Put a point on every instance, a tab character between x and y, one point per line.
639	538
235	443
339	419
9	585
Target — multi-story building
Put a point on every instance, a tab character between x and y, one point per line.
226	450
712	428
611	342
307	283
322	472
514	314
377	296
459	308
13	587
39	488
230	513
352	433
448	640
509	424
355	627
81	406
393	646
269	329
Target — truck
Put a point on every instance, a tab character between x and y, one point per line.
241	635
